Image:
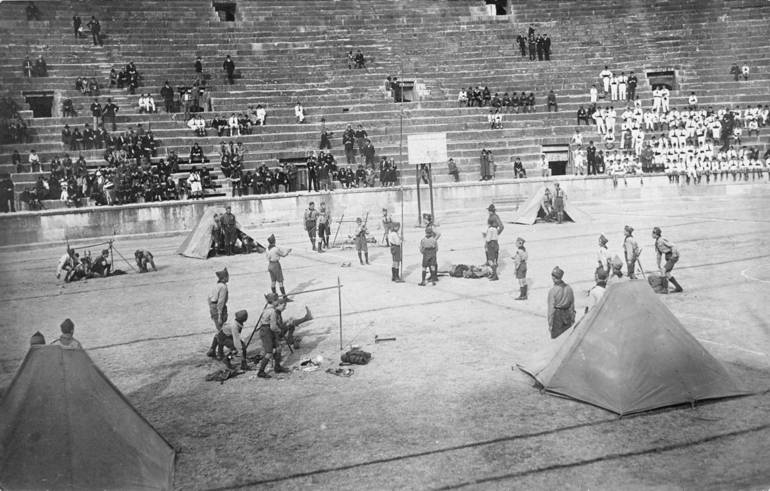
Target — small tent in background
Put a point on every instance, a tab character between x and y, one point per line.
63	425
198	243
630	354
532	210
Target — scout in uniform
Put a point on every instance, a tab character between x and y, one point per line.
664	248
360	238
324	220
429	249
561	305
394	239
217	301
274	255
311	220
558	202
632	251
520	265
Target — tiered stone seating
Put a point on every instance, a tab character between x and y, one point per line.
289	50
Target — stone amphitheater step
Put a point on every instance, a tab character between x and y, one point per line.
701	58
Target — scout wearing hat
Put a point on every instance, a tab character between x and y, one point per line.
230	337
520	266
311	222
394	239
274	255
229	230
558	202
217	301
360	238
272	328
387	220
631	250
603	255
144	259
491	246
664	248
561	305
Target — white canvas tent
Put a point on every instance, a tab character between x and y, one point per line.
532	209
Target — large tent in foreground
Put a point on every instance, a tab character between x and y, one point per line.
532	210
630	354
64	425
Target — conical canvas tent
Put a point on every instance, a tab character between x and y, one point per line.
630	354
530	211
63	425
198	241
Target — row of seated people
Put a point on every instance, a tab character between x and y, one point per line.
691	122
87	86
722	167
236	124
479	97
134	141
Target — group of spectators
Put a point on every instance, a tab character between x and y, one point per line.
616	87
37	69
13	128
482	97
237	124
357	142
537	46
94	27
128	77
87	86
356	60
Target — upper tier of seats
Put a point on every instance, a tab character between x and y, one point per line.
289	50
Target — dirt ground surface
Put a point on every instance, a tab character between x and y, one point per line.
440	407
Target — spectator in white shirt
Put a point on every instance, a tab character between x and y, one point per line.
594	93
261	114
606	75
232	124
146	103
693	102
299	112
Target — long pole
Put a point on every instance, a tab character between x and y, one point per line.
430	190
419	201
401	256
339	303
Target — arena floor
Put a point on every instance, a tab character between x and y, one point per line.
440	407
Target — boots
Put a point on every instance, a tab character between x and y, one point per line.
422	283
677	287
433	276
394	275
522	293
494	274
360	260
285	297
212	353
278	368
366	254
308	316
262	364
313	243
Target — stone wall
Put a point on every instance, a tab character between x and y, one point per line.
260	212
